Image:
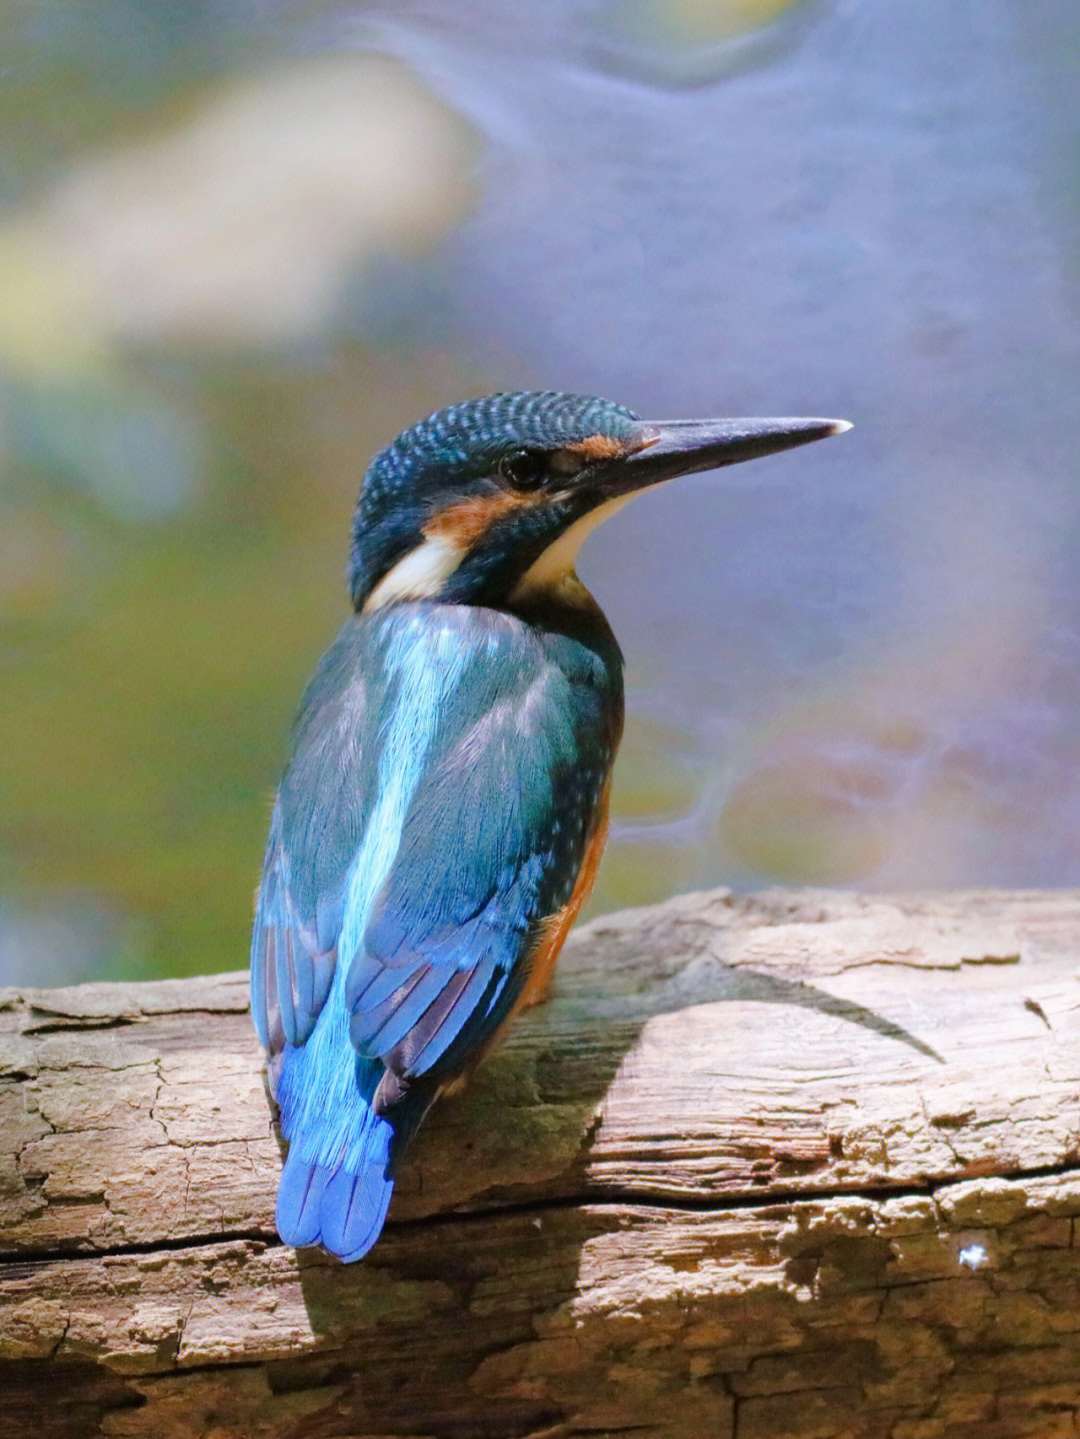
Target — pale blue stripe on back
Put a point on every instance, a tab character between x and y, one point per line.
324	1108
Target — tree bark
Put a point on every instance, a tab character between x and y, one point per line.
805	1164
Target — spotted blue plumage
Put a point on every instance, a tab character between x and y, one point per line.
447	767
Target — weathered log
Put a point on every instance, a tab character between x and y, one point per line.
795	1165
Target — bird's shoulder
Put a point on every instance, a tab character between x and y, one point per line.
375	659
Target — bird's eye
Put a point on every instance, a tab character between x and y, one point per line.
523	469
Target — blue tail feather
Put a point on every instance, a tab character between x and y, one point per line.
299	1195
343	1211
336	1183
353	1210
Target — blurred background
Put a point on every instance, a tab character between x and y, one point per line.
242	245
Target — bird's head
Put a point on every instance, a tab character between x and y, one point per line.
488	501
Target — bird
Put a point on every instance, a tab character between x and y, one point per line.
440	822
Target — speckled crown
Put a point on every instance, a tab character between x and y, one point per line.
472	431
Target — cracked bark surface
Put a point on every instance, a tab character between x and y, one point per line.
801	1164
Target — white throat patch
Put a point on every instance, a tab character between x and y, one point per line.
554	570
420	575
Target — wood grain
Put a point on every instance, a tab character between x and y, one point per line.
800	1164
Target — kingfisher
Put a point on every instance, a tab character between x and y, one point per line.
442	817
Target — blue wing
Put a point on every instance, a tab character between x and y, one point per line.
315	830
443	788
491	848
291	973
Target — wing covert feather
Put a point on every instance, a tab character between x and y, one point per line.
491	843
315	830
491	846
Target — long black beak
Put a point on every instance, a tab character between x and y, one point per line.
681	447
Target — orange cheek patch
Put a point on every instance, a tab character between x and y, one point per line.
467	522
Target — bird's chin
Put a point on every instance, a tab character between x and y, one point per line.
552	571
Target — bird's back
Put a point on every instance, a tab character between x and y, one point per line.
448	772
